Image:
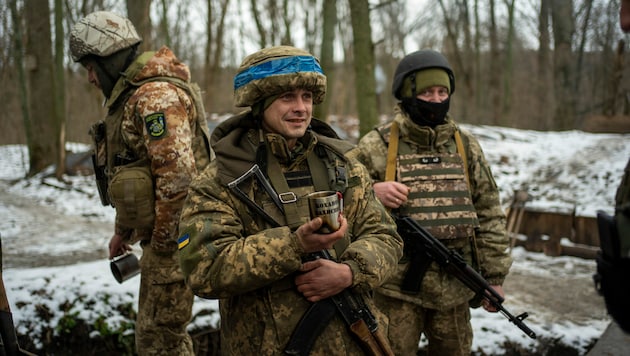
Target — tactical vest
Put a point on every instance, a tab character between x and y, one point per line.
112	157
326	171
439	194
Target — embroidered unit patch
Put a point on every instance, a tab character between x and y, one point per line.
156	125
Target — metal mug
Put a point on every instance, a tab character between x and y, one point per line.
125	267
327	205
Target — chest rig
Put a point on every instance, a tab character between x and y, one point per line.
320	170
276	193
439	197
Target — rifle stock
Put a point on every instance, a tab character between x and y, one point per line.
427	248
360	320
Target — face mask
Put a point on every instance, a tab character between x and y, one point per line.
426	113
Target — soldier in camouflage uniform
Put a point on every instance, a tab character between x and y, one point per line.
254	263
152	142
454	197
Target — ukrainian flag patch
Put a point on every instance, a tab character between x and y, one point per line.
183	241
156	125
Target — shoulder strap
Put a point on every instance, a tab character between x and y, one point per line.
462	152
392	152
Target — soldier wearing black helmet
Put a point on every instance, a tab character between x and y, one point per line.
152	142
245	241
440	178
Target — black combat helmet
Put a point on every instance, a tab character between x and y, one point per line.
422	59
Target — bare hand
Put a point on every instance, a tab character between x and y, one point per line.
391	194
323	278
311	241
117	246
487	305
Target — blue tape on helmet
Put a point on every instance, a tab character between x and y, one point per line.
287	65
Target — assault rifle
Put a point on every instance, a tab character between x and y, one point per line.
353	311
351	307
423	248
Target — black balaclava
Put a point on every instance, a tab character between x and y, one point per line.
422	112
108	69
426	113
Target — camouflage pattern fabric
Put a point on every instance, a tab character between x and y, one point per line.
448	331
233	255
440	291
156	126
101	33
165	307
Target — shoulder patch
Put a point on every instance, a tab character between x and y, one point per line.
156	125
183	241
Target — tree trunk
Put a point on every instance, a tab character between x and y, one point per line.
327	56
365	83
494	82
508	66
140	15
43	145
564	73
543	83
60	85
16	18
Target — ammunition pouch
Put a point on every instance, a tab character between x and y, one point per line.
132	193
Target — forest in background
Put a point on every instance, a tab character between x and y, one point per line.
532	64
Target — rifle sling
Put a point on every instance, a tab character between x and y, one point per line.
312	324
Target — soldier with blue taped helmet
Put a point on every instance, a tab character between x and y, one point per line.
246	231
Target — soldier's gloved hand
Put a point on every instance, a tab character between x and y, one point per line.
311	241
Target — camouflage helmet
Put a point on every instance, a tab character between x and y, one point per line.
101	33
275	70
419	60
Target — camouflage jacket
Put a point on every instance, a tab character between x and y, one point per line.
160	127
228	252
440	290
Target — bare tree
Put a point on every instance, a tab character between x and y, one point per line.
508	65
43	141
543	59
494	88
139	13
363	51
215	30
60	84
564	66
327	55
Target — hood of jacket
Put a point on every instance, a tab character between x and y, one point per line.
235	142
146	67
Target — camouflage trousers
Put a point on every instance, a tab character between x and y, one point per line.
164	307
449	332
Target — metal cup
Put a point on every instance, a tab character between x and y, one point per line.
125	267
327	205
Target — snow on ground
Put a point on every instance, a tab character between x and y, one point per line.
54	234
